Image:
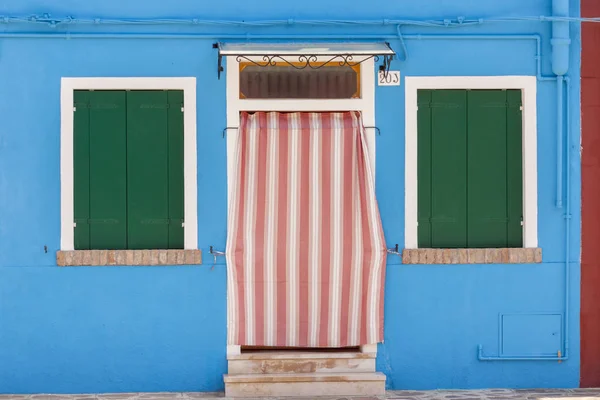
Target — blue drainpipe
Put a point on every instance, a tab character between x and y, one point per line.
568	220
559	139
560	66
560	38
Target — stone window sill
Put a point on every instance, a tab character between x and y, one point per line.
75	258
472	256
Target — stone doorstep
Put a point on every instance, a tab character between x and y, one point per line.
305	377
300	362
307	385
304	390
76	258
472	256
347	365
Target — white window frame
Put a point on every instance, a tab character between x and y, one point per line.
528	87
68	86
365	104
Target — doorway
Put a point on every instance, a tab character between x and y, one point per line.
249	93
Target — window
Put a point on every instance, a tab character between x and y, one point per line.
469	169
284	81
128	169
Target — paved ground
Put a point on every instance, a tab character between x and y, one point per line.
492	394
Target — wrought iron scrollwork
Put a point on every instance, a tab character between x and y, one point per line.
304	61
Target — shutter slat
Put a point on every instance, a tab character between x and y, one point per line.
424	167
448	169
176	169
81	170
514	169
147	169
487	205
108	181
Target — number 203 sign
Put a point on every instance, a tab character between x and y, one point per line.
392	78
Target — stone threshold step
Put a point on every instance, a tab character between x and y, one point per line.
305	377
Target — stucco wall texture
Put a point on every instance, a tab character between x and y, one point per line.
163	328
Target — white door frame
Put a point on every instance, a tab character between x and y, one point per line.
365	104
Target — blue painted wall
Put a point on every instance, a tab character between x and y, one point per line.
113	329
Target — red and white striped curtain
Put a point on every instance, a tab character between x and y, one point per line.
305	247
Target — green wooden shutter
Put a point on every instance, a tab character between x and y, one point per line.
99	174
128	169
487	219
107	171
514	176
469	168
155	169
494	165
176	169
447	170
424	167
81	169
147	170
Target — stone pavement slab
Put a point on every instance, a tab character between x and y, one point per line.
488	394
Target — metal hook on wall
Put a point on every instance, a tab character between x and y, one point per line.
394	250
228	128
215	254
374	127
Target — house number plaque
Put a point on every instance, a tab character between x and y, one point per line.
391	79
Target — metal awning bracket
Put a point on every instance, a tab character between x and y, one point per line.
219	59
387	62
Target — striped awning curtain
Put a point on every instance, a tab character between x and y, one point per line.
305	248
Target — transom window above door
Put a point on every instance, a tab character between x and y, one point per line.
285	81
